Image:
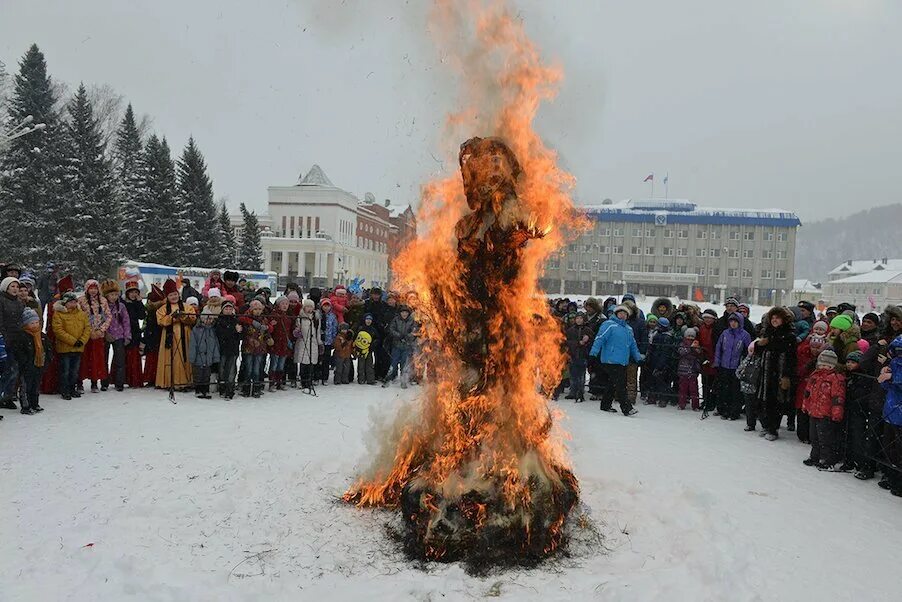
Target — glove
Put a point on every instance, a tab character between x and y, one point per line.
79	344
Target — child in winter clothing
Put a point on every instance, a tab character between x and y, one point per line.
402	333
825	397
30	359
645	373
71	331
281	348
93	365
254	347
364	347
344	348
309	343
228	335
661	361
689	368
329	324
118	335
203	352
134	376
863	417
891	380
579	336
728	352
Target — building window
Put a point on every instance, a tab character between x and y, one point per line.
781	237
682	252
748	253
732	273
734	254
767	254
714	252
701	271
650	251
768	236
781	254
649	233
636	267
734	235
603	267
618	231
637	231
571	266
680	269
668	233
683	234
583	267
616	267
781	274
618	249
554	264
766	274
701	252
746	272
715	272
668	269
603	248
668	252
587	248
701	234
749	235
635	250
606	232
714	235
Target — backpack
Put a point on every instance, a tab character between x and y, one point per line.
748	372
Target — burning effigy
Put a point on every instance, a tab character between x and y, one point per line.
478	468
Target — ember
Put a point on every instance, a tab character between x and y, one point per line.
479	471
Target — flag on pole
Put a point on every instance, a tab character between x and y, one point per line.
650	178
666	177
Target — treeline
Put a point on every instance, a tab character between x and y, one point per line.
85	197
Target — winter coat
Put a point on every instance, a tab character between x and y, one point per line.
665	302
690	362
805	364
576	349
825	394
637	323
731	346
257	334
235	292
402	332
69	327
190	291
329	323
344	345
307	340
378	310
662	354
152	330
845	343
778	358
594	322
204	347
723	324
120	325
339	306
892	407
708	344
886	332
11	320
228	336
616	343
136	313
98	311
209	283
862	395
282	333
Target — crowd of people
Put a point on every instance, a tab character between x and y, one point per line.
835	376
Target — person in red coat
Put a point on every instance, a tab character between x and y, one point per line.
50	380
339	300
282	323
825	398
707	342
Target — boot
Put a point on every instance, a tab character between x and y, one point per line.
27	411
8	404
280	377
256	390
246	390
272	382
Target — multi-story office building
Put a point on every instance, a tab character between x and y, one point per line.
678	249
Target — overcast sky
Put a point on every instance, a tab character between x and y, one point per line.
773	103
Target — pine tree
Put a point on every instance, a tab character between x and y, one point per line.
166	229
195	193
131	180
250	251
90	218
33	171
226	253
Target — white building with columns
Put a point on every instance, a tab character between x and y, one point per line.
321	235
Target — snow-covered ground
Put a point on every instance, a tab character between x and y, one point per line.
128	497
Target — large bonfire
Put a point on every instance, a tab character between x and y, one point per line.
478	469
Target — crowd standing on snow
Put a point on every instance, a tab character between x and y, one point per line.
835	377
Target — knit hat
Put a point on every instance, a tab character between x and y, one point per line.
109	286
651	319
863	345
26	280
68	296
370	316
690	333
91	282
132	285
281	298
832	310
294	296
820	327
29	316
844	307
214	292
807	305
191	301
732	301
628	297
326	302
872	317
344	327
229	298
309	304
4	285
170	287
855	356
841	322
663	323
709	312
827	357
744	306
65	284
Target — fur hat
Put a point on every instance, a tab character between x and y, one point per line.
831	310
68	296
732	301
170	287
309	304
622	308
855	356
29	316
192	301
841	322
690	333
109	286
91	282
592	304
4	285
827	357
65	284
230	276
214	292
132	285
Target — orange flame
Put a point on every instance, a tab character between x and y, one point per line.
490	434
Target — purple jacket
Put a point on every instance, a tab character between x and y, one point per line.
731	345
120	325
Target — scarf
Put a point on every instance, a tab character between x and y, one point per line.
34	329
169	330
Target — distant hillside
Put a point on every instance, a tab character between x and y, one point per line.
870	234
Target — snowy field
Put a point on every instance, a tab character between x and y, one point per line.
128	497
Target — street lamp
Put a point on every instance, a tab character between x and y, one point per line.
17	131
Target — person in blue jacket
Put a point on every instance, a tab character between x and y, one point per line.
614	346
891	380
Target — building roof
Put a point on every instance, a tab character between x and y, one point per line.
396	210
862	266
874	277
316	177
681	211
806	286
